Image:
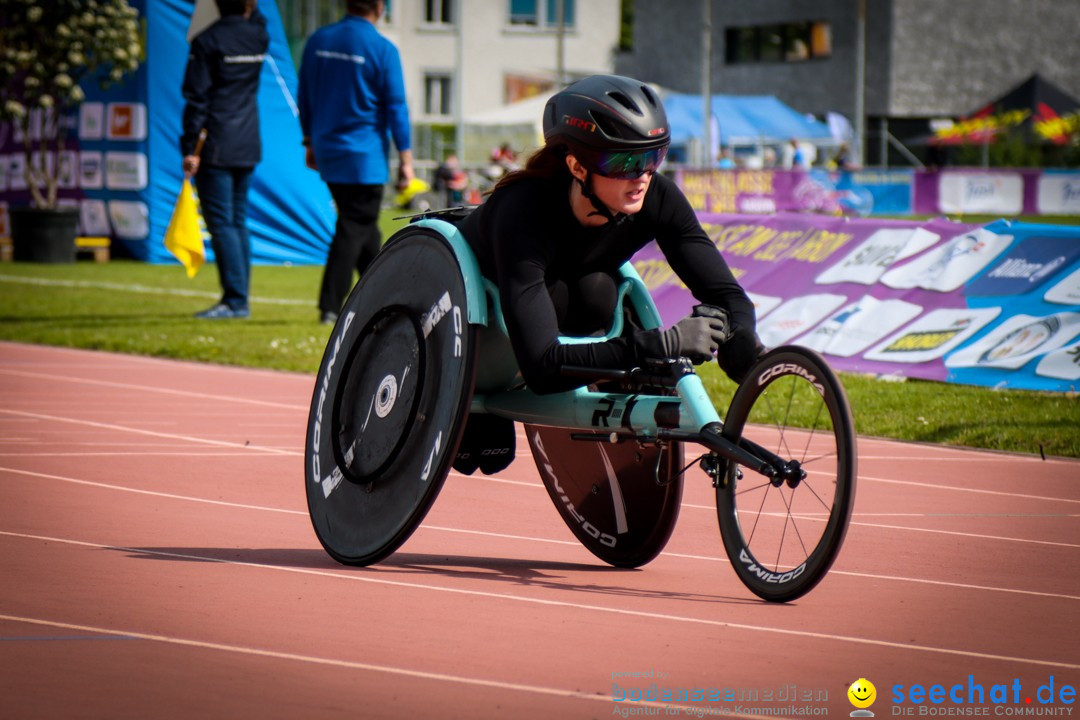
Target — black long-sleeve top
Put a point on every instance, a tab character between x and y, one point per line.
525	237
221	83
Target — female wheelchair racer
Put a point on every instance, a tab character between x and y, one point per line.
419	374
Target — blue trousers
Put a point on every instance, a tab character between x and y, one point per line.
223	197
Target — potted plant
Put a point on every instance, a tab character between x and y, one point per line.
47	49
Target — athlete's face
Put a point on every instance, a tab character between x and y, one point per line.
620	196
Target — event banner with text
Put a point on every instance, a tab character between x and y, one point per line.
995	305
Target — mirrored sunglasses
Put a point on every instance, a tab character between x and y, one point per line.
629	165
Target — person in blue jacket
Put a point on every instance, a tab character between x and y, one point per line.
352	100
221	83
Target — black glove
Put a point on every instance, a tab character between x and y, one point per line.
695	338
717	313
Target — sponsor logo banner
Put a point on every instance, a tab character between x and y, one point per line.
126	121
91	121
130	219
1026	266
895	297
1018	340
125	170
1063	364
1067	291
859	325
869	261
933	335
94	217
948	267
796	316
990	193
1058	193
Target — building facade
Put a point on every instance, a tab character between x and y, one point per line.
462	58
922	59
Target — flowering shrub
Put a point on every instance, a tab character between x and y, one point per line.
46	50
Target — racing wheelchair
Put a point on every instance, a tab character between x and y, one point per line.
420	350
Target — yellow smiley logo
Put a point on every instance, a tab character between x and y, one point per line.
862	693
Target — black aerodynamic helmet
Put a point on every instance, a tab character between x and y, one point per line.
615	126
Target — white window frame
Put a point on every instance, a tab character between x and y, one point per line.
540	21
439	8
443	81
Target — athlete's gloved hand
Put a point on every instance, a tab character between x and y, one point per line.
717	313
693	338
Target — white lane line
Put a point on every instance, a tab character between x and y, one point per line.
153	493
506	536
353	665
153	389
937	454
357	577
151	433
967	489
955	533
279	451
152	453
141	289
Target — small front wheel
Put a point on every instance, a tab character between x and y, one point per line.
782	534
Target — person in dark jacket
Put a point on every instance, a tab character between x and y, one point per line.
221	83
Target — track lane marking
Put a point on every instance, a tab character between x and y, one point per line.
355	665
281	451
910	647
506	536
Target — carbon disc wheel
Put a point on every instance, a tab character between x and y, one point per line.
390	402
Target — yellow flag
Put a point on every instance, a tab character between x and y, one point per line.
183	237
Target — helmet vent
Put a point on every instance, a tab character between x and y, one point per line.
605	124
650	95
626	102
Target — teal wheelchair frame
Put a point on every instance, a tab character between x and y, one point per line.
409	363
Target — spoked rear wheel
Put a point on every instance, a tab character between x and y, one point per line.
782	535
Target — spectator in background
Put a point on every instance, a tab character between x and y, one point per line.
726	159
352	99
796	158
221	83
842	159
505	157
451	180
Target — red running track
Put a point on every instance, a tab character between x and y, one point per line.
157	561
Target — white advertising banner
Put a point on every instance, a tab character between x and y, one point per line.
796	316
1017	340
933	335
1059	194
948	267
983	193
859	325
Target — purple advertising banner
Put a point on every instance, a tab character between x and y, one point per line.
903	298
1001	192
858	193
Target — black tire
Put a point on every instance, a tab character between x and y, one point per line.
782	539
390	402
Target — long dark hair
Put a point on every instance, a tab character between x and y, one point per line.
547	162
